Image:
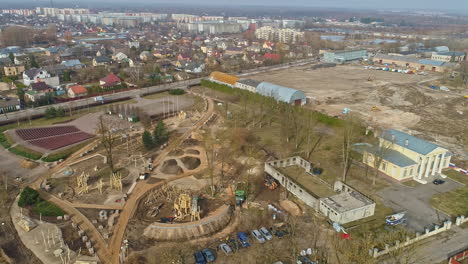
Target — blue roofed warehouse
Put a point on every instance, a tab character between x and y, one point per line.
281	93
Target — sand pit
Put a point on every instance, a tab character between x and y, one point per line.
171	167
192	151
190	163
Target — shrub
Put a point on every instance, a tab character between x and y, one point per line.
176	91
217	86
4	141
28	197
27	153
46	208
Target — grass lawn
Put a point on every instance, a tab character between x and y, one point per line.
25	152
454	203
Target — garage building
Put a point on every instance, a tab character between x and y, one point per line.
281	93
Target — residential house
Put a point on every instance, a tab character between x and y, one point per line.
272	56
234	51
77	91
13	70
404	156
181	76
145	55
101	61
52	51
133	44
120	57
184	56
39	75
37	90
193	67
9	104
73	64
110	80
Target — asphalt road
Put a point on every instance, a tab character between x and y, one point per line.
416	202
27	113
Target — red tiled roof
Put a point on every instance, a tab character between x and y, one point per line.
111	79
78	89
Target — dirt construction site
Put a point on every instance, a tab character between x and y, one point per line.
383	99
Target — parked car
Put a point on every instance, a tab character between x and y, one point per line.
209	255
199	258
266	233
232	243
258	236
242	237
438	181
225	248
305	260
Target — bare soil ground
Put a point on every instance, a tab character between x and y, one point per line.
402	103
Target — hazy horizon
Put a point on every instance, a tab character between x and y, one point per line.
448	5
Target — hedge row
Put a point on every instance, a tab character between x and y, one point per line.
4	141
176	91
64	153
217	86
27	153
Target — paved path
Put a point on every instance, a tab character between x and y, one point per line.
143	187
98	206
416	202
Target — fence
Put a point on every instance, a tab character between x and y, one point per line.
375	252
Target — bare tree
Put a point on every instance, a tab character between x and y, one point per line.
349	133
108	141
379	154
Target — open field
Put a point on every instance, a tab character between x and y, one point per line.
402	103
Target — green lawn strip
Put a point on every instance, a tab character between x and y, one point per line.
64	153
25	152
30	197
455	202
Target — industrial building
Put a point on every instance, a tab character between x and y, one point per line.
448	56
247	84
414	63
281	93
223	78
342	204
344	56
406	157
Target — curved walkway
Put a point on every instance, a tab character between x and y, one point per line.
143	187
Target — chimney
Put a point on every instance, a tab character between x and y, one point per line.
406	142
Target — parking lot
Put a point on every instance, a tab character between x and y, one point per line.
416	202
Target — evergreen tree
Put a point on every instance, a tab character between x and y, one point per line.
147	140
33	62
12	57
160	134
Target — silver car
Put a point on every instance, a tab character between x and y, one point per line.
266	233
258	236
225	248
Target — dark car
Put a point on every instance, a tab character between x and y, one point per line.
199	258
209	255
232	243
438	181
244	241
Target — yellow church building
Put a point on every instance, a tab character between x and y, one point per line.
405	157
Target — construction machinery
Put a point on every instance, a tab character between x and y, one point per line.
375	109
270	182
240	197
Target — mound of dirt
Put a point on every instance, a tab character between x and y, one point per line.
171	167
291	207
191	163
177	152
27	164
192	151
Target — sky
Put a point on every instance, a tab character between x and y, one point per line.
445	5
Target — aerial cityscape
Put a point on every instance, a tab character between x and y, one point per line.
256	132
